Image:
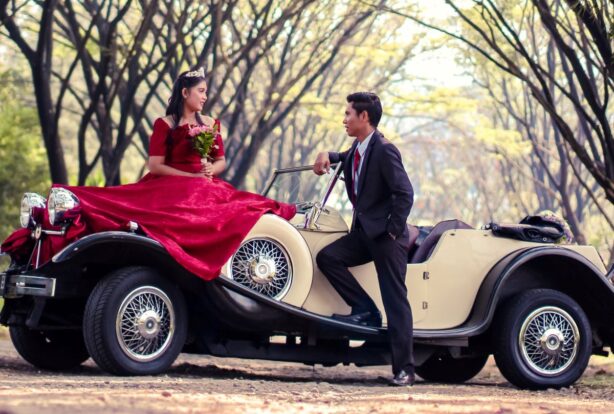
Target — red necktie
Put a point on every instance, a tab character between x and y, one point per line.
355	175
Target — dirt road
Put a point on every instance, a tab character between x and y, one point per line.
213	385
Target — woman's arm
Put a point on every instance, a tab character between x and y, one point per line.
219	165
215	168
156	166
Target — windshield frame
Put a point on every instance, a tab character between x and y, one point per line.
336	175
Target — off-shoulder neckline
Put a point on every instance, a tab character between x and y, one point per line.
182	125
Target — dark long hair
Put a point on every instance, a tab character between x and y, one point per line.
175	103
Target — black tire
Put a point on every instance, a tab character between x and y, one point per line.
54	350
156	304
444	368
538	312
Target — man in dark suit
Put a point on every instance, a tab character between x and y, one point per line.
382	196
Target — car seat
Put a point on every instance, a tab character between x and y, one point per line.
424	250
414	232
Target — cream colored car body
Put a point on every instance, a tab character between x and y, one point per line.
441	290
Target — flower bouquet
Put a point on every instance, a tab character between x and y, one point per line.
203	137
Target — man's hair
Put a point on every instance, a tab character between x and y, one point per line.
367	101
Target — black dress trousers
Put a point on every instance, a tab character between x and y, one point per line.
390	259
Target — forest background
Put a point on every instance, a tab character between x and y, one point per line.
500	108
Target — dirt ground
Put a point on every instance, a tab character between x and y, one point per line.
214	385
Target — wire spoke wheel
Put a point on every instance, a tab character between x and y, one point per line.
548	340
262	265
145	323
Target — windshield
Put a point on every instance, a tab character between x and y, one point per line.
300	184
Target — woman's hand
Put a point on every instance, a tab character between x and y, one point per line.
199	175
207	168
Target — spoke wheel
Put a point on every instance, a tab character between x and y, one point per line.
549	339
543	339
135	322
145	323
262	265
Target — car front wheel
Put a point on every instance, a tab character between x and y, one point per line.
544	340
444	368
54	350
135	322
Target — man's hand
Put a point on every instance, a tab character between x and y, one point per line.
303	207
322	164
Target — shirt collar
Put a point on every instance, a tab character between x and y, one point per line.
362	147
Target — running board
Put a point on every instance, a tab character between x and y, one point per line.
449	337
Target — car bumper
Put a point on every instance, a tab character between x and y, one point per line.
15	286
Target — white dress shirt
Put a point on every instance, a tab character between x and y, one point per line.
361	148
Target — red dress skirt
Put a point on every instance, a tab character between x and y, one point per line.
200	222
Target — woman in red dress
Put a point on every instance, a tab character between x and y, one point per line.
171	149
199	218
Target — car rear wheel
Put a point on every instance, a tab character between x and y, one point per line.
444	368
135	322
543	341
54	350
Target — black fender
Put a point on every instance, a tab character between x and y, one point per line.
83	262
233	305
544	267
551	267
118	238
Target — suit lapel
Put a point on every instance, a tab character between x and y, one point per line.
347	169
365	163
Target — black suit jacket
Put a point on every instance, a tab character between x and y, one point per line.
385	194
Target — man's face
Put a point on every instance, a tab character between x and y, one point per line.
355	124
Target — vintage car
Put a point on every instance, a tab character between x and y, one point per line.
541	308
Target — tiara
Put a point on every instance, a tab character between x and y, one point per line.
196	73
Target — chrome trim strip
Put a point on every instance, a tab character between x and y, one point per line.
20	285
102	237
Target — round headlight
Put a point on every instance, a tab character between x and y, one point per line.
29	202
62	206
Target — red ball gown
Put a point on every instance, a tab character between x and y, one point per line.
200	222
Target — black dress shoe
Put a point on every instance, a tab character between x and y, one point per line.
402	378
364	319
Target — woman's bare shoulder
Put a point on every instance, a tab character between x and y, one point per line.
168	120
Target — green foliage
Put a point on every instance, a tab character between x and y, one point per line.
22	155
95	179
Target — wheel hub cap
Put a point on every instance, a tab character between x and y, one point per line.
148	324
548	340
263	270
552	341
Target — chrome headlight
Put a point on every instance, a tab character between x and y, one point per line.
30	203
62	206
